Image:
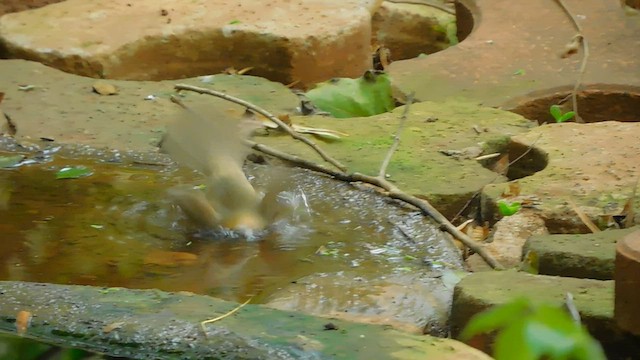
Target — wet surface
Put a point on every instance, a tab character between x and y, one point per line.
116	228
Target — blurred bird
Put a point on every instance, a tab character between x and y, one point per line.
211	142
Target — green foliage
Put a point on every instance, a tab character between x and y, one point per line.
450	30
528	332
365	96
508	209
73	172
558	115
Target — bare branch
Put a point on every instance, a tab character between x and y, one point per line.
396	139
580	41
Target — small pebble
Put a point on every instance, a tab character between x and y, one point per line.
104	88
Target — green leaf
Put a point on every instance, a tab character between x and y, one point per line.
529	332
512	344
233	22
566	116
73	172
556	112
365	96
495	318
519	72
452	33
508	209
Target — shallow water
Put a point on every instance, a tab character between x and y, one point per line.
116	228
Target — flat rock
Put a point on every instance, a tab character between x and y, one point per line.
305	41
436	156
416	302
152	324
589	256
593	299
65	108
512	53
594	166
509	236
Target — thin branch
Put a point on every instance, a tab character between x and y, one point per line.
396	139
427	209
391	190
266	114
581	41
202	324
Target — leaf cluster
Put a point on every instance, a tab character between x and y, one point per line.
528	332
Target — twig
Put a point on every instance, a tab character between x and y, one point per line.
581	40
392	192
428	210
396	139
202	324
266	114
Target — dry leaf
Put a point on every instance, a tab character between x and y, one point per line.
572	47
512	190
585	219
381	57
502	165
319	132
233	71
113	326
284	118
23	320
479	233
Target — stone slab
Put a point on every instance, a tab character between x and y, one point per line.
594	166
593	299
286	41
65	108
152	324
512	53
589	256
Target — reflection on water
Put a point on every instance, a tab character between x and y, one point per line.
116	228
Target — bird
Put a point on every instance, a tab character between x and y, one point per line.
210	141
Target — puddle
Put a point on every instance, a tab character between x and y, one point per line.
116	228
